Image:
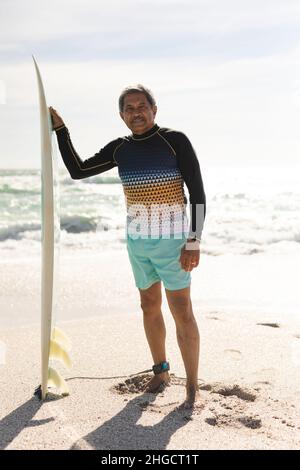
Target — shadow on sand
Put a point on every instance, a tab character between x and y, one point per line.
17	420
22	417
123	432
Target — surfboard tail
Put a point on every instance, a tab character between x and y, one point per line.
60	344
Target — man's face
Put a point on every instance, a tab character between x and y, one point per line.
138	114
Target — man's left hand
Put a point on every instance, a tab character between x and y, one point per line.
189	259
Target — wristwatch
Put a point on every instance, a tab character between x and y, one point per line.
192	244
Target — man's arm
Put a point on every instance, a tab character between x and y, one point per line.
190	170
78	169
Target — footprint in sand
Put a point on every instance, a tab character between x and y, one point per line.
230	409
234	354
262	383
227	390
272	325
250	422
231	420
213	317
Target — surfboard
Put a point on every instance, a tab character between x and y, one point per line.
54	343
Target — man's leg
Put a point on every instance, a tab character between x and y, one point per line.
188	338
155	330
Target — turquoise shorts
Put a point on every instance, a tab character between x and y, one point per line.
154	260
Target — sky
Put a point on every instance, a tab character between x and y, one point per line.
224	72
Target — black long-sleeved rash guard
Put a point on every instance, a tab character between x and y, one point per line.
153	168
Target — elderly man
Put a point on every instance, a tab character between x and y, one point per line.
154	163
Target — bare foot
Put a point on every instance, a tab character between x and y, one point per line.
157	383
192	398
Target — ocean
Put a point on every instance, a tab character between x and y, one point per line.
249	211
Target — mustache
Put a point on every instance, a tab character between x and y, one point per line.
138	119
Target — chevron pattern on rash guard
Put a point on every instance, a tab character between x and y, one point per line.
151	178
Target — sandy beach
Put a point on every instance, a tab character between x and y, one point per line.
249	368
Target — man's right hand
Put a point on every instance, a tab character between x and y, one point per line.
56	119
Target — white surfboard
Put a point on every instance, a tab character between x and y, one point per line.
54	343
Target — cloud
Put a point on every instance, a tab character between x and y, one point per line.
130	28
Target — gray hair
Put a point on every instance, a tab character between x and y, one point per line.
136	89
